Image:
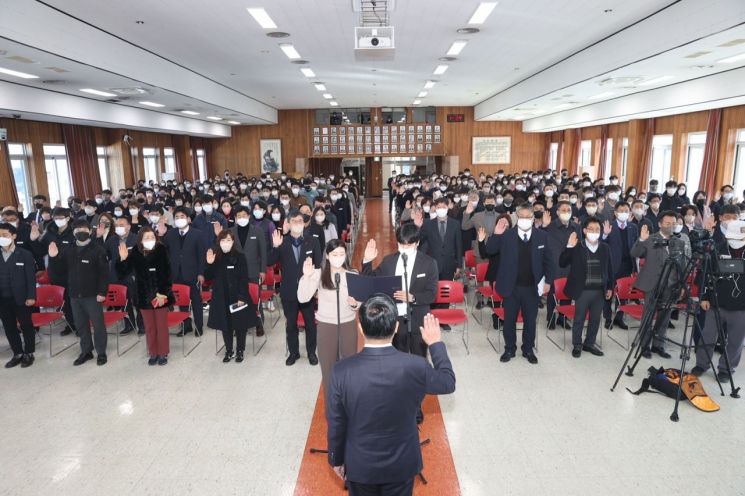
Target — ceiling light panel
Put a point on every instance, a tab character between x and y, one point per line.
482	13
262	18
457	47
289	50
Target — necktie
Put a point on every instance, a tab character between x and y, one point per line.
525	238
442	230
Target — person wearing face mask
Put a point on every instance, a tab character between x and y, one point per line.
654	211
342	209
691	219
296	199
320	282
441	240
612	197
559	230
186	248
727	197
291	251
40	201
590	209
17	297
727	214
263	220
589	283
621	239
473	220
329	229
639	215
670	199
207	219
526	272
89	213
226	268
655	249
23	236
227	210
86	270
730	297
250	240
312	228
123	234
148	265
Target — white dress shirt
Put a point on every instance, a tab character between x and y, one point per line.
400	272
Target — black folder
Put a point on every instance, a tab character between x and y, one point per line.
362	287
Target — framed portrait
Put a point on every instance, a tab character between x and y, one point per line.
420	138
428	147
334	149
411	129
402	128
316	131
342	140
377	148
419	147
411	147
360	149
326	149
377	129
394	148
437	138
377	138
325	130
428	129
394	138
411	138
325	140
385	148
428	138
271	155
333	130
420	129
368	139
333	140
342	148
316	140
359	129
316	150
342	130
351	139
368	149
385	138
368	130
437	128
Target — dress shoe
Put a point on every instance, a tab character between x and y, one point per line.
14	361
723	376
198	332
495	321
531	357
608	323
444	327
419	416
313	359
140	332
593	349
479	305
153	360
647	354
661	352
183	332
238	356
551	325
27	360
259	330
561	321
126	330
84	357
228	356
507	356
101	360
577	351
291	359
670	325
66	331
163	360
621	324
698	371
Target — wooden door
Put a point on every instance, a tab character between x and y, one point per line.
373	178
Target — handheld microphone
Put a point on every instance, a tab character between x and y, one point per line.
337	279
404	257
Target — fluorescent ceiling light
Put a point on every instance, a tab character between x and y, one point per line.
189	112
262	18
233	122
482	12
213	118
96	92
429	85
601	95
17	74
308	72
655	80
289	50
562	106
327	96
735	58
333	103
457	47
422	94
152	104
440	69
416	102
320	87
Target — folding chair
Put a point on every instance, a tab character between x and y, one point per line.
50	297
499	311
181	296
116	296
486	292
451	293
470	262
255	294
625	291
270	281
43	278
206	293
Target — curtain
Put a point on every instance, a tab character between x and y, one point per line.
642	178
574	150
82	160
547	151
8	192
603	151
711	151
178	145
194	164
560	155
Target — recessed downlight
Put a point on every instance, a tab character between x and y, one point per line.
278	34
446	59
467	30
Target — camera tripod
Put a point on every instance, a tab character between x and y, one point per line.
663	299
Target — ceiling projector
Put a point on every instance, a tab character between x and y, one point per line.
378	38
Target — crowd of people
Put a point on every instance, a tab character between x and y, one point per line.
230	231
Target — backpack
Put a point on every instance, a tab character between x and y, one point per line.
665	381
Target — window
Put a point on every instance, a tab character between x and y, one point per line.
585	153
19	162
662	156
103	167
553	159
152	169
608	158
424	114
170	159
738	178
393	115
624	158
58	174
694	160
202	164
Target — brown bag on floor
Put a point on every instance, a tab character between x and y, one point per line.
665	381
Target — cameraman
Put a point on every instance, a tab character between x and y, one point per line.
730	292
655	249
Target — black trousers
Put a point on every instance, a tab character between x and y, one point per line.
67	311
401	338
607	310
291	309
240	339
12	314
197	308
525	299
389	489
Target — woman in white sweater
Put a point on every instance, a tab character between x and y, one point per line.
321	282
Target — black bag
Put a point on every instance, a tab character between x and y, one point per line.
659	381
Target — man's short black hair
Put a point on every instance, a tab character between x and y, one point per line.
407	234
180	210
729	209
378	316
591	220
666	213
8	227
622	204
60	212
81	223
295	212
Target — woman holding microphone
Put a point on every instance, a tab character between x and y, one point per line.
322	281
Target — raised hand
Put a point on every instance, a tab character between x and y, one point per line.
607	228
481	234
572	242
418	218
53	250
123	252
430	330
217	227
100	231
285	227
501	227
644	233
277	238
308	267
161	227
210	256
546	220
35	233
371	251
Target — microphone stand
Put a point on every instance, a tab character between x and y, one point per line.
405	259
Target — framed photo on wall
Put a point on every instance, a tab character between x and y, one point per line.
316	131
326	149
437	128
333	130
271	155
316	140
394	148
325	130
342	130
491	150
316	150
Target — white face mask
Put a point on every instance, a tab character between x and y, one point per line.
336	262
207	208
117	213
426	208
154	219
592	237
728	196
276	217
320	219
736	244
564	217
245	203
226	246
638	212
5	242
120	231
549	193
622	216
149	244
60	222
284	202
181	223
591	210
242	221
198	209
613	196
297	229
442	212
525	224
671	191
678	228
90	211
133	212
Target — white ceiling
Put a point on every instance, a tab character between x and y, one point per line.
214	58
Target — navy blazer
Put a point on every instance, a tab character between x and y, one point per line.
576	259
507	245
22	267
292	271
188	261
448	253
615	242
371	411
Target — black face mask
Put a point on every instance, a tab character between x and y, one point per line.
82	236
489	207
538	215
38	205
700	202
306	218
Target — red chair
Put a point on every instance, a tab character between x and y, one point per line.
301	325
116	296
271	278
255	293
625	291
206	292
181	297
50	300
451	293
566	310
470	263
345	236
43	278
499	311
485	291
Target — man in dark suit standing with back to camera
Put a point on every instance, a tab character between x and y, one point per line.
372	435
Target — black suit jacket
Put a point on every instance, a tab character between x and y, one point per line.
22	268
292	271
615	242
372	407
507	246
187	261
576	259
448	252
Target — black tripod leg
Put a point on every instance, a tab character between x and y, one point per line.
685	351
421	476
735	392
